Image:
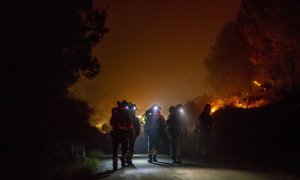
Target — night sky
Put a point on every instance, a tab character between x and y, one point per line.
154	52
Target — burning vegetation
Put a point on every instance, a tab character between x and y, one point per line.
245	101
255	60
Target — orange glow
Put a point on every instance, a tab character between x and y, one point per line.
236	101
99	126
153	53
217	104
103	127
245	101
233	101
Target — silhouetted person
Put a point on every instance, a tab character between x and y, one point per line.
203	127
143	122
131	139
122	125
155	128
176	124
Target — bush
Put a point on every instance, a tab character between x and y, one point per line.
268	135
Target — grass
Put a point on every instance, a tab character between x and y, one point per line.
83	170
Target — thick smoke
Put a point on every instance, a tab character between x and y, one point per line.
261	45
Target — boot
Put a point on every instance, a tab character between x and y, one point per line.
174	160
129	158
154	158
150	159
129	161
123	162
115	167
115	163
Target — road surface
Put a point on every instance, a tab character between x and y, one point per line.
164	169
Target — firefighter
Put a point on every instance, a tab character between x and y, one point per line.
131	139
155	128
177	130
203	129
143	122
122	129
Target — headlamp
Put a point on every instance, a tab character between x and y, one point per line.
155	108
181	110
134	108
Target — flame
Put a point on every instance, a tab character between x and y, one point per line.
102	126
99	125
217	104
256	83
243	101
236	101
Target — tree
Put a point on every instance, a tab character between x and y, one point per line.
47	47
272	28
261	44
228	62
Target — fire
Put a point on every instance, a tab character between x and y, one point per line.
244	101
236	101
99	126
217	104
103	127
256	83
222	102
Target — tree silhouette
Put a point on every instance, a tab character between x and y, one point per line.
47	47
272	28
50	45
228	62
261	44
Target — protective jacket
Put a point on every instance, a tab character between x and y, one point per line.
121	120
122	131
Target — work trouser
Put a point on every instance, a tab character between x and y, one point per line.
146	139
119	137
153	145
176	146
203	143
130	151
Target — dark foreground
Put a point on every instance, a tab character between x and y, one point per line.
164	169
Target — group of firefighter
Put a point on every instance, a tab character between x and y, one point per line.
126	128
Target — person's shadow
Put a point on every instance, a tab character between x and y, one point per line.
166	164
108	173
104	174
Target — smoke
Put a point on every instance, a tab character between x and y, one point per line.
260	47
228	64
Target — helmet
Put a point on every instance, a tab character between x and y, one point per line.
156	107
124	105
172	109
180	108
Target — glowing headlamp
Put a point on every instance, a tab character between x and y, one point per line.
155	108
126	107
181	110
134	108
